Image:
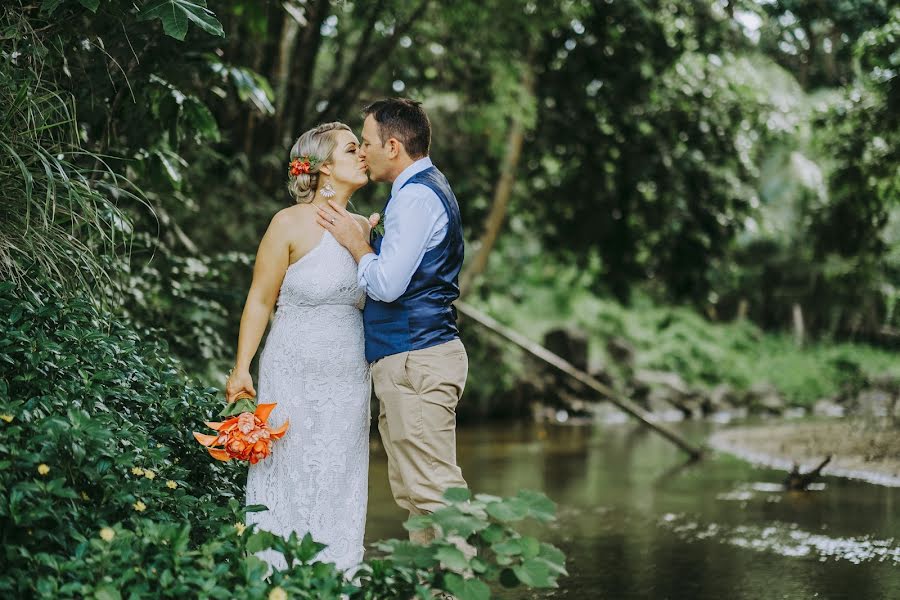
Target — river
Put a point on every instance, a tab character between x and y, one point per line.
635	522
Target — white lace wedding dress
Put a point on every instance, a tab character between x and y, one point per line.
314	366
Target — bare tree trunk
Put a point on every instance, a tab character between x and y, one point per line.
502	193
262	63
283	67
299	90
799	329
743	306
829	62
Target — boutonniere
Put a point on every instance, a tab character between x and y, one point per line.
379	228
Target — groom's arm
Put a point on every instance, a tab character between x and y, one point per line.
416	217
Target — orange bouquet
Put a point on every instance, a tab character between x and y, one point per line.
245	434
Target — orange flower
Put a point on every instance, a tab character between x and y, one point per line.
244	437
299	166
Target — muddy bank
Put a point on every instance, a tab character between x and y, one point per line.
860	450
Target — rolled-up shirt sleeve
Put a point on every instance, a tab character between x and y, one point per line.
413	215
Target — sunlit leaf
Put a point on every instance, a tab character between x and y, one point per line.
175	14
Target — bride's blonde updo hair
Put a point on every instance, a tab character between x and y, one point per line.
319	142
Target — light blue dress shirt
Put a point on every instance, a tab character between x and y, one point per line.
414	222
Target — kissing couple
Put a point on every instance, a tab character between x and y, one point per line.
355	306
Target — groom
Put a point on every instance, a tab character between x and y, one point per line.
419	364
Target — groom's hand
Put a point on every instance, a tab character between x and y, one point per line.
345	229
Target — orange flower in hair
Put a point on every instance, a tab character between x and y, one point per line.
302	165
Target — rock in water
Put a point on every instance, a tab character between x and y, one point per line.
797	481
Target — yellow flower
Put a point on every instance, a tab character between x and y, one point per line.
149	474
7	418
137	471
171	484
278	593
107	534
240	528
139	506
43	469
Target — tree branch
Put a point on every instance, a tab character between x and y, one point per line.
366	66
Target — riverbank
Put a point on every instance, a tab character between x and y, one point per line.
859	449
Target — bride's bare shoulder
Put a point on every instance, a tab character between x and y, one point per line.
288	219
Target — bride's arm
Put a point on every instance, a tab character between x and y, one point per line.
272	260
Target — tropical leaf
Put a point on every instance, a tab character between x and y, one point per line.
534	573
175	15
260	540
418	523
452	559
309	548
467	589
511	509
457	494
250	86
241	406
452	520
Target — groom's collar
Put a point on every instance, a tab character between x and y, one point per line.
407	173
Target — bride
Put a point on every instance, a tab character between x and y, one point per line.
313	364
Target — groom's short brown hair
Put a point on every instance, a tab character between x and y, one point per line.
404	120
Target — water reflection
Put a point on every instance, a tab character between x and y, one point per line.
636	521
787	539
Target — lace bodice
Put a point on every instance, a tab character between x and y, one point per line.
326	275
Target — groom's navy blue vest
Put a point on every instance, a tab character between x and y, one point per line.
423	316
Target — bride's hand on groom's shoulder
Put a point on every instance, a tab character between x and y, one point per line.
239	382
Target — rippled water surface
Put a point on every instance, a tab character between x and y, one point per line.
636	522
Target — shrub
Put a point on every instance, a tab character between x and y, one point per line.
104	493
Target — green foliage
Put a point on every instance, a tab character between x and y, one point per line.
533	295
105	412
185	301
815	40
70	150
55	218
826	242
649	127
175	15
476	544
652	129
104	492
153	559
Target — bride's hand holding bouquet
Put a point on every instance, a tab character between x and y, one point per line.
244	434
239	383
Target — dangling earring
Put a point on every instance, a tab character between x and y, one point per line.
327	191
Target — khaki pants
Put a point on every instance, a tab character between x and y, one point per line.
418	392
